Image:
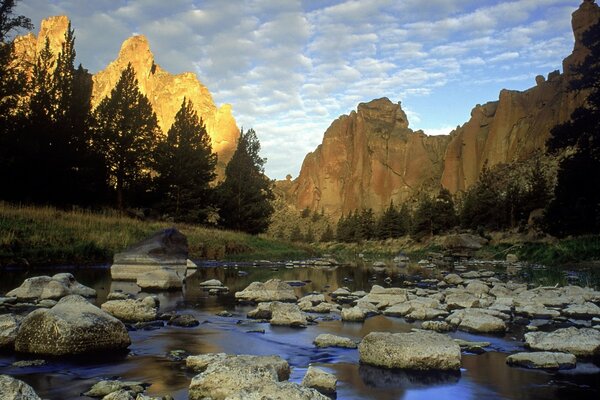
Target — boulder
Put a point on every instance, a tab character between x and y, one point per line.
72	326
133	310
360	312
55	287
262	311
9	325
15	389
276	391
477	288
415	350
164	249
328	340
584	311
160	279
272	290
461	299
224	375
535	310
385	297
184	320
286	314
106	387
453	279
542	360
437	326
581	342
320	380
477	321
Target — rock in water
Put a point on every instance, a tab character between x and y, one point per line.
45	287
542	360
581	342
415	350
9	325
271	290
165	249
320	380
160	279
73	326
14	389
328	340
130	310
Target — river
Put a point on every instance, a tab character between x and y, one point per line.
484	376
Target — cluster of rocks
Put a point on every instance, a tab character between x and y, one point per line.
214	287
223	376
121	390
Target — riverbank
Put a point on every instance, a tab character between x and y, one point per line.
48	236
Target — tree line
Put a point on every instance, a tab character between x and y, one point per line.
55	149
561	201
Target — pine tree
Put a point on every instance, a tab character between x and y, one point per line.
575	208
366	225
186	167
246	193
126	132
327	235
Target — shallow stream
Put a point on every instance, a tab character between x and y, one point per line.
484	376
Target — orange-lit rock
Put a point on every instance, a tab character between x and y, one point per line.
164	90
366	159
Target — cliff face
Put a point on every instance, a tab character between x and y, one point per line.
519	123
371	157
164	90
366	159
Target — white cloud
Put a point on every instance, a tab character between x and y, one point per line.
289	68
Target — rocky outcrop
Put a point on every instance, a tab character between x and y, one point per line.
366	159
370	157
164	90
73	326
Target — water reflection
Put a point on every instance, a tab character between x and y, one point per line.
483	376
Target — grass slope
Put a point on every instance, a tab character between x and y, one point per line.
47	236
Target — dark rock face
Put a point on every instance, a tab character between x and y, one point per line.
165	249
168	246
73	326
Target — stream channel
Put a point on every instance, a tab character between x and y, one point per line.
482	376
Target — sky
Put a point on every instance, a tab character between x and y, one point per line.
289	68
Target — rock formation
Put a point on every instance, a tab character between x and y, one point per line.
366	159
371	157
164	90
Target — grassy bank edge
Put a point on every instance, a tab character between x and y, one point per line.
48	236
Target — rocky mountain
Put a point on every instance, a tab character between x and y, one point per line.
164	90
370	157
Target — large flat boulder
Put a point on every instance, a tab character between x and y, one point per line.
581	342
160	279
73	326
46	287
478	320
164	249
133	310
415	350
542	360
15	389
385	297
329	340
271	290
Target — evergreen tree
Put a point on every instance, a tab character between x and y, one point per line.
482	203
327	235
13	86
246	193
423	220
365	225
575	208
186	167
126	132
296	234
310	235
444	213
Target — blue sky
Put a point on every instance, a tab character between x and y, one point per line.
290	67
